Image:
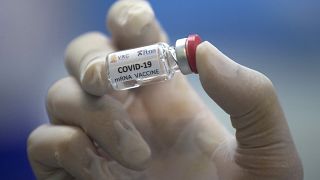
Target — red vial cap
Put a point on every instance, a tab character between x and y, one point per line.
192	42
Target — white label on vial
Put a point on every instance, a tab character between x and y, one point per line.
134	64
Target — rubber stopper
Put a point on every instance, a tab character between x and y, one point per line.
192	42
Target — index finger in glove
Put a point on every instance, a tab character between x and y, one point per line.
132	24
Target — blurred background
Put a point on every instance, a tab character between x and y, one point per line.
278	38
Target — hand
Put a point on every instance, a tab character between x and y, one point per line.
160	131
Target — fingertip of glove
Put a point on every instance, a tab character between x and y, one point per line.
92	79
129	17
204	49
203	55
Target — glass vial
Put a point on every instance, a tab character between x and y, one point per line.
149	64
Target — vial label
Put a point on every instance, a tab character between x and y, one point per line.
134	64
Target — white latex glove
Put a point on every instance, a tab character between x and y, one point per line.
160	131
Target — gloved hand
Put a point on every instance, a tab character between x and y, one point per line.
160	131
